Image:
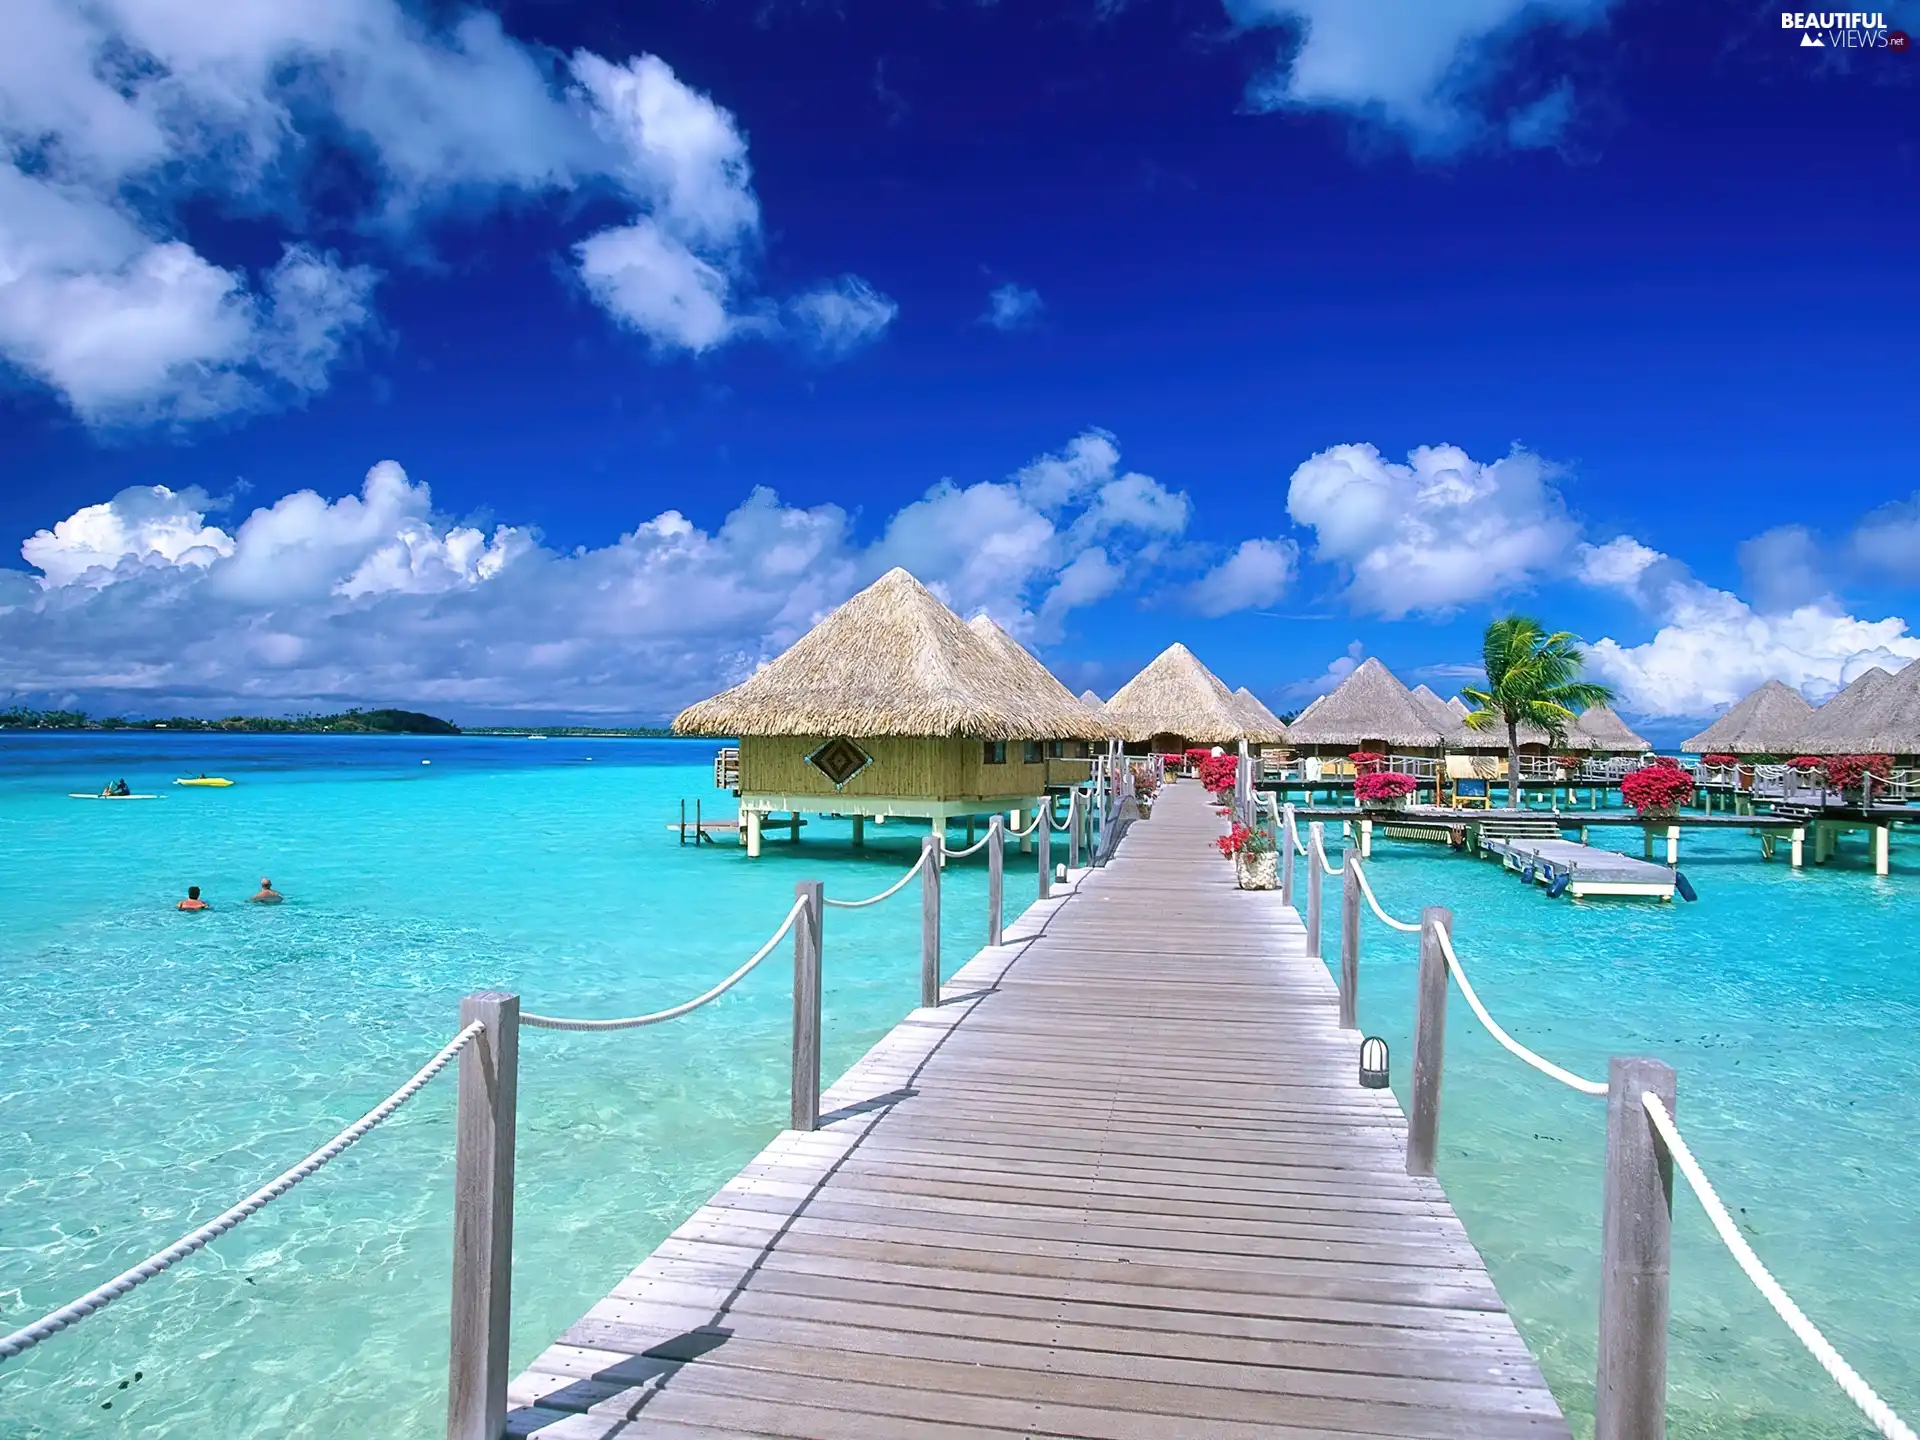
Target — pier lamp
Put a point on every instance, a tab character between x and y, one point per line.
1373	1063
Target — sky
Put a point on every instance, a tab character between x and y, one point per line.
569	360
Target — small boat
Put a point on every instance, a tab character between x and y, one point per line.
211	782
77	795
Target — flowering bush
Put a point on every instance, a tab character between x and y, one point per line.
1659	787
1218	772
1366	761
1569	762
1845	772
1244	840
1145	783
1381	785
1195	757
1718	761
1808	762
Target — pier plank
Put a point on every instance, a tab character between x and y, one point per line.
1120	1183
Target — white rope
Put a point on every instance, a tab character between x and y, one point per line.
634	1022
1844	1375
1291	830
1543	1065
21	1341
1366	889
958	854
1032	825
890	890
1320	844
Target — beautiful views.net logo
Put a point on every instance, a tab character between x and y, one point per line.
1843	30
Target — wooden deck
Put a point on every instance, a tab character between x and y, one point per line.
1123	1183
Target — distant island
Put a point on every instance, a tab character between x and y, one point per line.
348	722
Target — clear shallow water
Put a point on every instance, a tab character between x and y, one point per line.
1789	1004
154	1067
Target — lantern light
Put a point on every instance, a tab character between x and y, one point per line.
1373	1063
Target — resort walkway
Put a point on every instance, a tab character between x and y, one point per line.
1123	1183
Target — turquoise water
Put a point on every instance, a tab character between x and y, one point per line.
1789	1004
154	1067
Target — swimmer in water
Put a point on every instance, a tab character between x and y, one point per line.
193	900
268	895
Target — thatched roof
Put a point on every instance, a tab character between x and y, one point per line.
893	661
1598	728
1368	705
1877	714
1033	675
1459	706
1175	695
1263	726
1092	701
1768	721
1442	714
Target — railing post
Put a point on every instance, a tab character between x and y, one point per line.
1429	1042
1636	1229
1315	872
930	918
1043	844
996	879
1073	829
1350	944
483	1218
1286	857
806	1006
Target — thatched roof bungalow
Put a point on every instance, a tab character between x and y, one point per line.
1092	701
1175	703
1033	677
1369	710
1445	718
1766	721
892	705
1602	732
1263	726
1878	714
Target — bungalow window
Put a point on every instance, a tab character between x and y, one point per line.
1056	749
996	752
1031	752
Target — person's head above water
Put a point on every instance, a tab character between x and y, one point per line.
193	892
265	884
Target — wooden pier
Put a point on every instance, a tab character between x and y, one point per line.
1122	1182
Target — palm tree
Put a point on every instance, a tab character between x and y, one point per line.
1532	679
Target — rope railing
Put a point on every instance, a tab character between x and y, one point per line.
1537	1061
160	1261
1877	1411
634	1022
962	854
890	891
1366	889
1320	847
1031	826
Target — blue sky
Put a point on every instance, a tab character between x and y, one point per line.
567	360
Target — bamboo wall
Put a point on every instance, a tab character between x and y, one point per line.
904	767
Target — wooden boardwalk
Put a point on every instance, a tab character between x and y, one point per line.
1123	1183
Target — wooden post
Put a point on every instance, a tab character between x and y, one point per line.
859	831
1073	830
683	820
1429	1043
1314	875
1673	844
1636	1231
806	1007
752	818
1366	839
996	878
1350	946
1286	858
1043	845
477	1371
930	921
1799	846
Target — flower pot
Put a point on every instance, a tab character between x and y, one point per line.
1144	806
1257	871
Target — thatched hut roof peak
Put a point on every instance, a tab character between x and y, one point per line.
1878	713
1263	726
893	661
1599	728
1370	704
1765	721
1176	695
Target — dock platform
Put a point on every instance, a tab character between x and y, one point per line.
1122	1183
1588	870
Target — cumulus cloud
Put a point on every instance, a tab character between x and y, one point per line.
1314	686
1434	534
839	318
117	117
1712	647
373	596
1438	74
1257	573
1783	568
1012	307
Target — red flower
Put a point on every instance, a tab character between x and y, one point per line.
1382	785
1365	761
1218	773
1846	772
1657	787
1243	841
1719	762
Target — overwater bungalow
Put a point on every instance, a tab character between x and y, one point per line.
1766	721
1878	714
1177	703
1069	759
1369	710
891	706
1599	731
1264	728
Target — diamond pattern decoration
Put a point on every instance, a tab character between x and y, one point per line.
840	760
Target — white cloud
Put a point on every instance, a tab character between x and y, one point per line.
841	317
1315	686
1434	534
1783	569
374	596
1012	307
1886	543
117	116
1257	573
1423	71
1712	647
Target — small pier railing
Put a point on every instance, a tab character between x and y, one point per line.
487	1046
1644	1146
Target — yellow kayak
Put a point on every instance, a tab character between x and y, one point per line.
207	781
